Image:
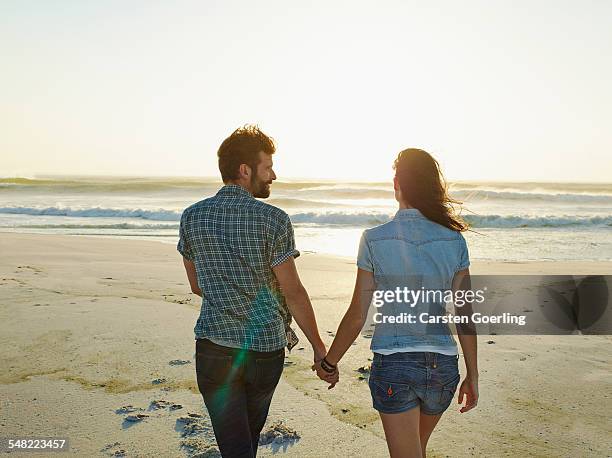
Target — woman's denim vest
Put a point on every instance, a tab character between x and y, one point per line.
412	252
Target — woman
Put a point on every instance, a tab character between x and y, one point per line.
414	371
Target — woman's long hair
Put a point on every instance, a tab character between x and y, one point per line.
423	187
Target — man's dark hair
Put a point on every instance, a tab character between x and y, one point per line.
243	147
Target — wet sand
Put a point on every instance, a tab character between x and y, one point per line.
97	346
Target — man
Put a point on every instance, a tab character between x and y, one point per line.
239	255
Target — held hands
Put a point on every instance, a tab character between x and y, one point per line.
325	375
469	389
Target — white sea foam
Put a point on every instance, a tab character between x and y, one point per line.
335	218
515	221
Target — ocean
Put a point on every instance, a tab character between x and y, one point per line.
509	221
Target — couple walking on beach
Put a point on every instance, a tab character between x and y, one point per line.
239	254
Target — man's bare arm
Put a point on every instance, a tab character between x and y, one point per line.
192	276
299	304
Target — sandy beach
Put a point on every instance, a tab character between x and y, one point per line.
97	332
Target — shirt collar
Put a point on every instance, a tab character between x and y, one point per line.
233	190
408	213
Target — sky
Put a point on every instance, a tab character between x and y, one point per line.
495	90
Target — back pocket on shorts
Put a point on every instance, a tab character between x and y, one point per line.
391	396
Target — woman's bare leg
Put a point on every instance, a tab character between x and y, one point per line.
402	433
427	423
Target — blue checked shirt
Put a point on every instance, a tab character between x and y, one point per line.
234	240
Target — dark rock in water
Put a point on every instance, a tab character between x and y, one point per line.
179	362
278	433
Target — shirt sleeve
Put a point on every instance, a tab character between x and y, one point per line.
183	246
464	256
364	257
283	244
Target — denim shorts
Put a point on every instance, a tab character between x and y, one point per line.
402	381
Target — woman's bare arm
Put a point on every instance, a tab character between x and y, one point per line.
354	318
468	341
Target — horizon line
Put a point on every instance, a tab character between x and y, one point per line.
298	179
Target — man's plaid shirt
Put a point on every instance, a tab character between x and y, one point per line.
234	240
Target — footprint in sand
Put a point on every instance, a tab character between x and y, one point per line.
127	409
159	404
19	282
34	270
107	448
278	434
131	420
200	448
192	424
183	300
179	362
163	404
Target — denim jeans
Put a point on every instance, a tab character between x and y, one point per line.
402	381
237	386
